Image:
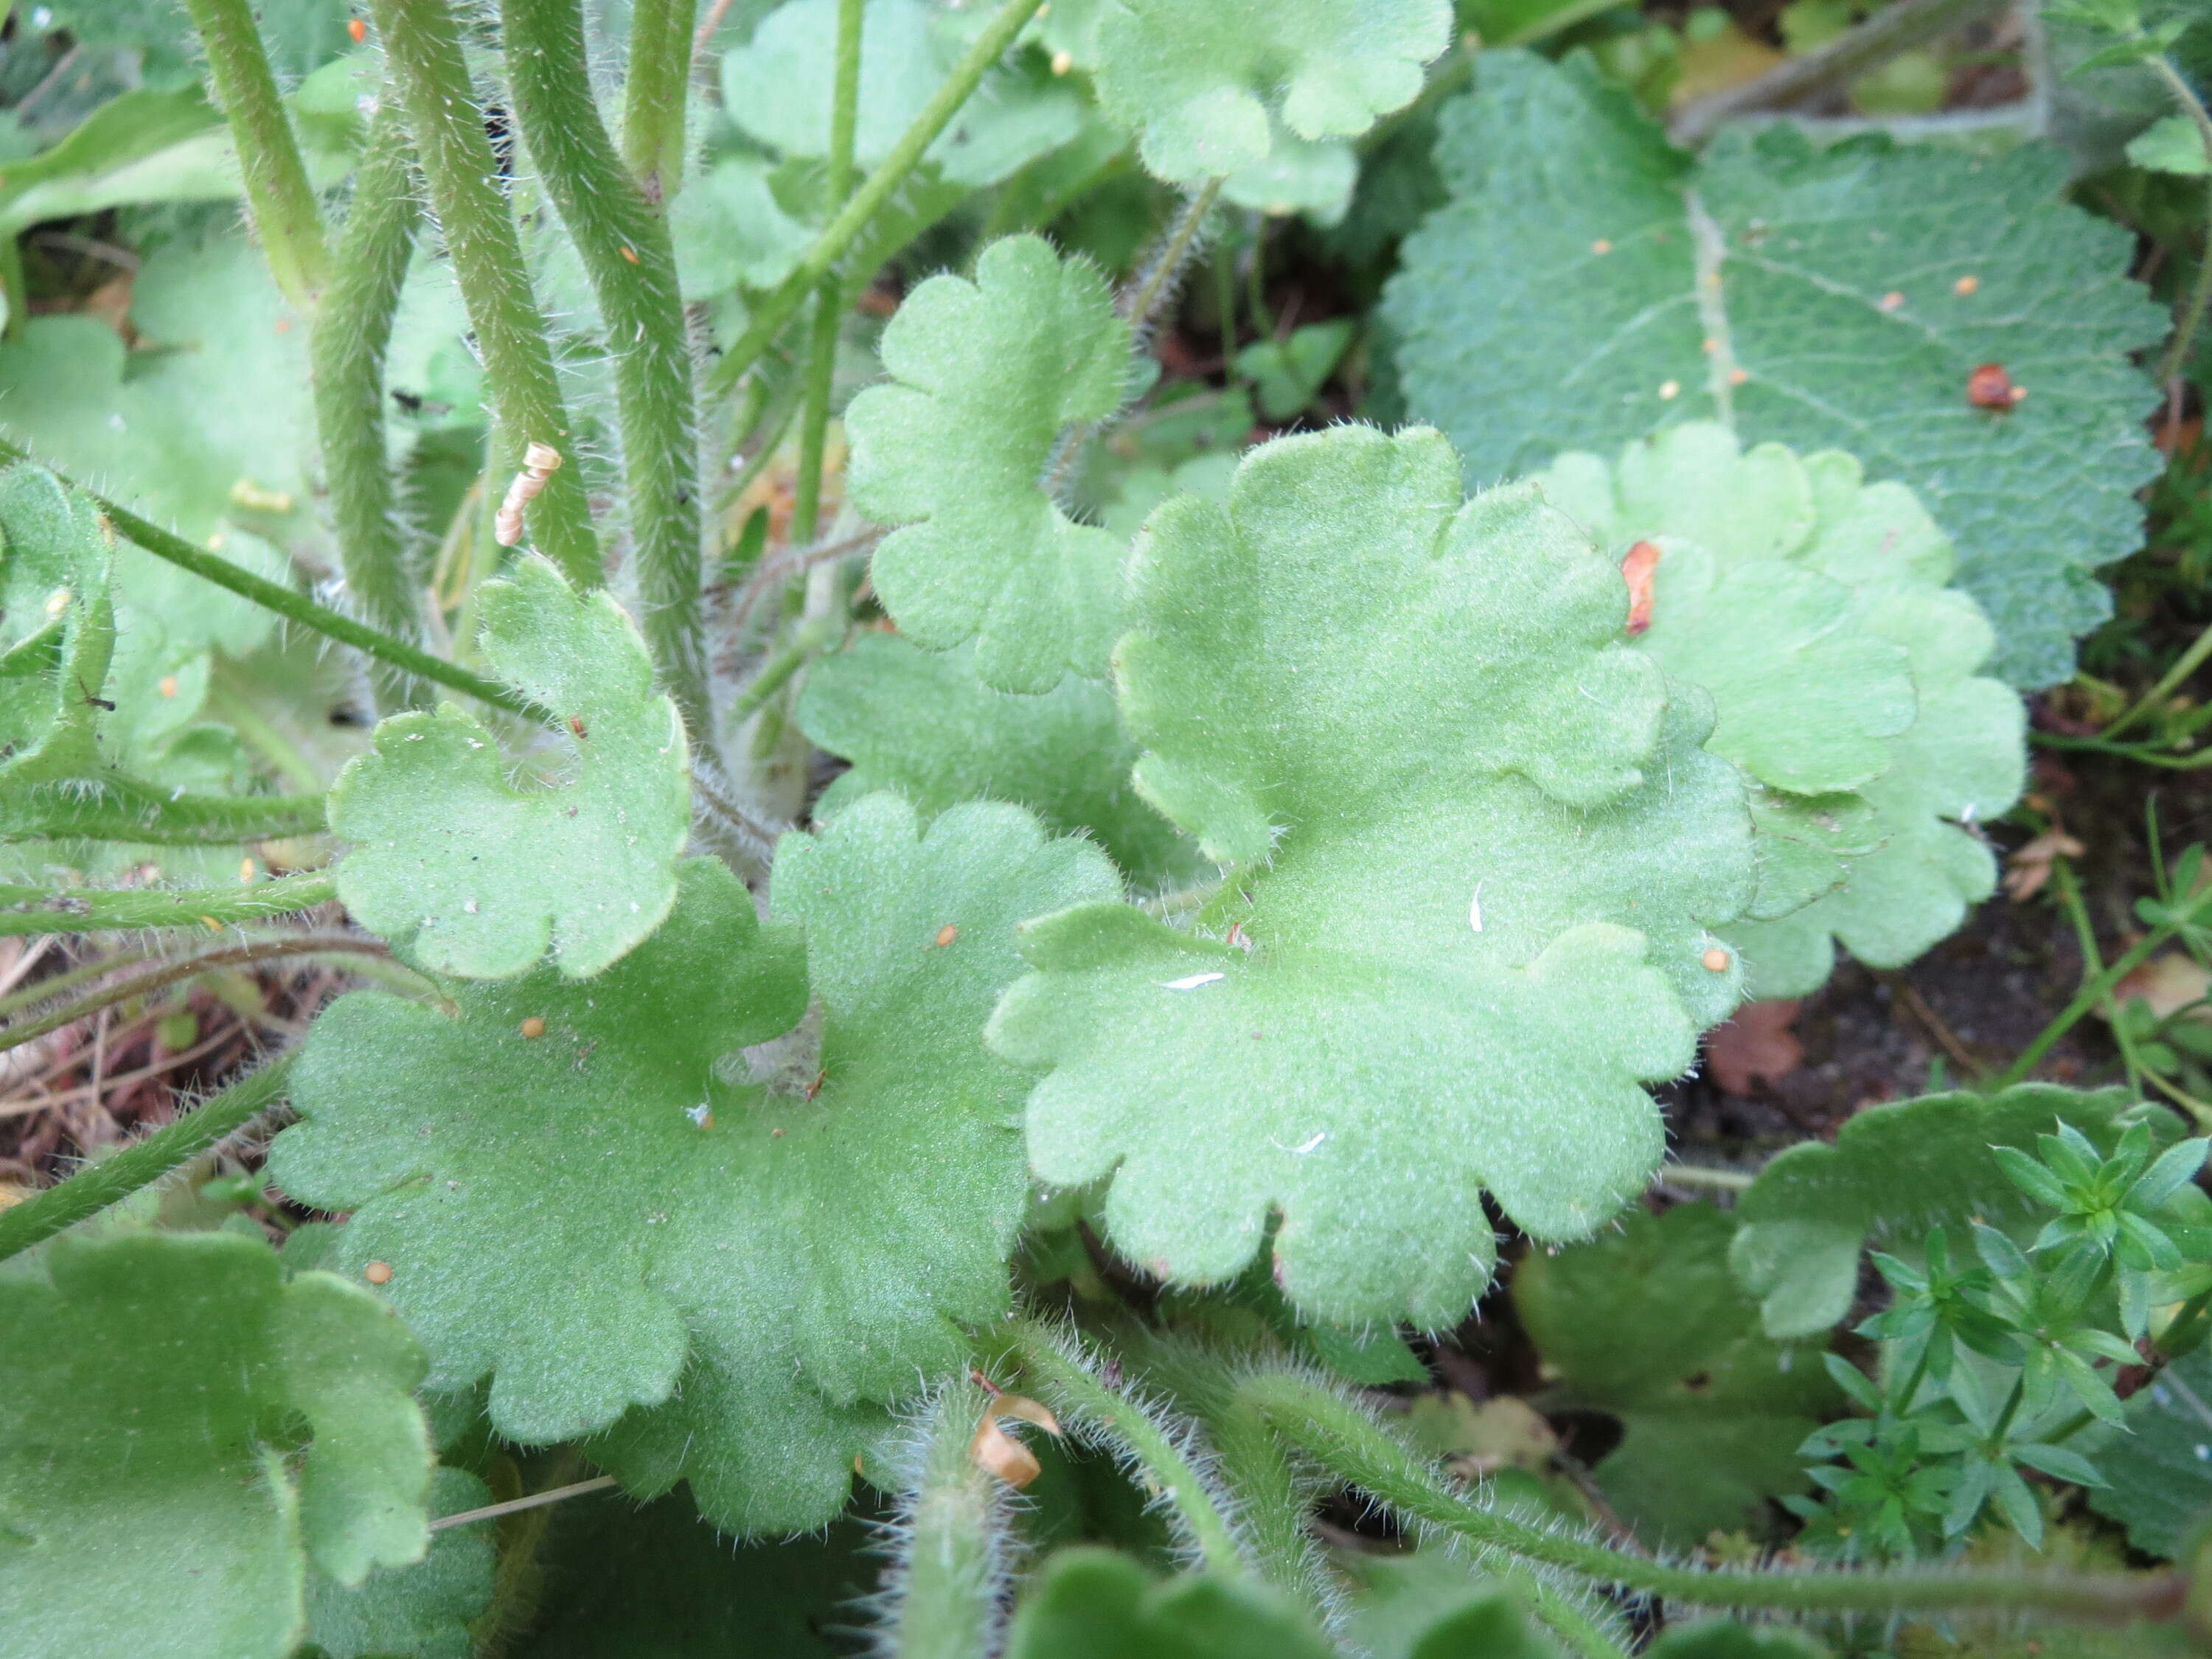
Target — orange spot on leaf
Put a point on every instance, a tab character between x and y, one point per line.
1640	569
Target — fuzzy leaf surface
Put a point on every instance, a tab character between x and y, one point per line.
1090	1603
1892	1171
1647	1323
1813	606
1237	86
1400	716
985	375
422	1611
754	1278
151	1391
471	876
923	723
56	629
1565	297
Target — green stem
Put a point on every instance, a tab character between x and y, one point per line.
829	293
1067	1385
164	975
277	192
1700	1175
810	641
92	910
2200	294
144	1162
422	52
297	607
2093	962
2170	682
653	92
2096	990
627	254
118	808
351	334
1344	1440
890	173
45	990
949	1589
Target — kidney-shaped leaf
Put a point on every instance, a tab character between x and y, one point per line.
986	377
1482	858
182	1431
468	874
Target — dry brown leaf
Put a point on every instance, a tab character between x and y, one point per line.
2168	982
1756	1045
998	1453
2028	872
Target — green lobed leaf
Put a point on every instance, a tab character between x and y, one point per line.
182	1431
601	1220
1090	1603
417	1611
1813	607
2172	144
1565	296
1892	1171
56	629
923	723
986	377
469	875
1647	1324
2158	1473
1263	94
1401	716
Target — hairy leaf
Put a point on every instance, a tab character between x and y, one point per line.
422	1611
1813	607
1587	284
1088	1603
56	629
986	375
1264	94
921	722
2160	1472
1646	1323
1481	855
182	1431
471	876
1893	1172
599	1218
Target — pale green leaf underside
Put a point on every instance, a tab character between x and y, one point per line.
1813	607
1562	300
1893	1172
471	876
1215	88
921	722
1404	716
1647	1324
422	1611
986	376
756	1277
148	1395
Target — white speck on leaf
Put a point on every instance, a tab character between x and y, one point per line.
1190	981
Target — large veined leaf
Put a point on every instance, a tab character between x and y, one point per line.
182	1431
595	1215
921	722
1893	1172
471	876
1264	92
421	1611
986	377
1813	607
2160	1471
1480	856
1587	284
1646	1323
777	88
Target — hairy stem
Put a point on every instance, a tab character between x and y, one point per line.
297	607
277	192
627	254
1066	1384
890	173
654	93
1345	1441
948	1577
2191	315
93	910
115	808
166	974
352	331
829	293
423	48
140	1164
